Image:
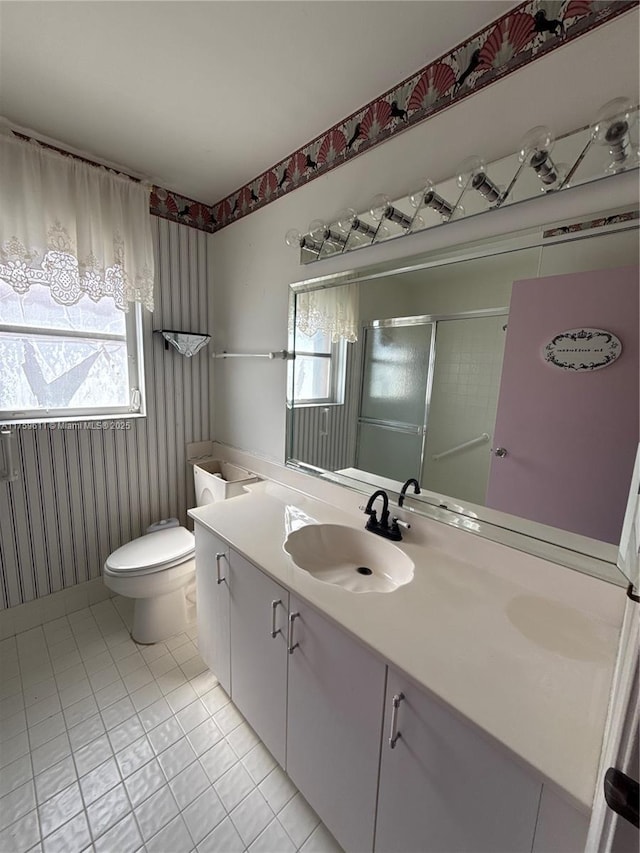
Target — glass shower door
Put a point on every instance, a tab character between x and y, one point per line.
396	378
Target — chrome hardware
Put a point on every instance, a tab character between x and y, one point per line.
499	451
403	524
219	578
394	734
274	631
290	645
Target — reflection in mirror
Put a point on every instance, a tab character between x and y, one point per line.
448	382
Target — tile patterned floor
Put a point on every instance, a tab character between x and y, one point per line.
112	747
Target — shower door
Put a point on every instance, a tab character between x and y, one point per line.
396	381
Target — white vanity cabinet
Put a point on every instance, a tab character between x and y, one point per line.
443	787
259	609
212	589
335	704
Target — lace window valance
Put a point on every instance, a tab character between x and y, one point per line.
333	311
76	228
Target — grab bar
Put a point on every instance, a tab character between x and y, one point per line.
471	443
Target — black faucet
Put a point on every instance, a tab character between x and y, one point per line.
382	527
403	491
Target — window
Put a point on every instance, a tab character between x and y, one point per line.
66	362
76	265
319	369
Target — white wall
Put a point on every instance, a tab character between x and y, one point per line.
251	267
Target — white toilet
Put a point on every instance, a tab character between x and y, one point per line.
155	569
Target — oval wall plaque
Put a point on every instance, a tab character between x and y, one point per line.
583	349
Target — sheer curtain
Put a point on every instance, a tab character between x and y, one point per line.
72	226
333	310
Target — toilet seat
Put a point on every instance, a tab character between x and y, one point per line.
153	552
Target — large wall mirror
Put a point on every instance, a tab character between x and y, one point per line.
503	376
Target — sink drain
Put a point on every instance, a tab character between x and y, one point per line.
364	570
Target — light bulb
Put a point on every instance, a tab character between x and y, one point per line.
611	128
416	198
418	223
318	230
293	238
535	150
348	221
379	206
472	172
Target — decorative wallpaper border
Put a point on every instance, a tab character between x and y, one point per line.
629	216
519	37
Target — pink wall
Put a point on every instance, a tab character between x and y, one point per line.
571	436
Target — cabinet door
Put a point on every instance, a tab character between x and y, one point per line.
334	715
212	566
259	609
444	788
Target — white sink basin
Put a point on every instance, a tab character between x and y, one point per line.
356	560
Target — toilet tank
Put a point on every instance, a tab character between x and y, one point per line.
215	480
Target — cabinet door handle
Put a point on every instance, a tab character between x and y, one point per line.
290	645
274	631
219	578
394	733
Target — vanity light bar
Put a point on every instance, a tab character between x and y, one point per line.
611	128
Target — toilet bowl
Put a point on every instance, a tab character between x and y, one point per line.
156	569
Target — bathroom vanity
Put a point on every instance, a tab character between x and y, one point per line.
462	711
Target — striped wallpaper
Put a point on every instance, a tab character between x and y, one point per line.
82	493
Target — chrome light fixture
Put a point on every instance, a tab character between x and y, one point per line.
348	221
297	240
321	233
612	127
535	151
427	196
381	208
472	172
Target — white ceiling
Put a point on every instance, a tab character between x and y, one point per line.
203	96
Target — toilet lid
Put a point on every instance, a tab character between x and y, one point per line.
153	550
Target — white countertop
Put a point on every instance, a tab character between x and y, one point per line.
522	648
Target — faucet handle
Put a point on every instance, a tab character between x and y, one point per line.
400	523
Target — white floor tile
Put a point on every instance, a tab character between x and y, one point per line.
124	837
272	839
59	809
321	841
223	839
114	748
99	781
299	819
233	786
108	810
174	837
21	835
189	784
176	758
164	735
277	789
154	714
251	816
126	733
203	815
17	804
15	774
134	756
259	762
156	812
55	779
93	754
217	760
145	782
204	736
50	753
